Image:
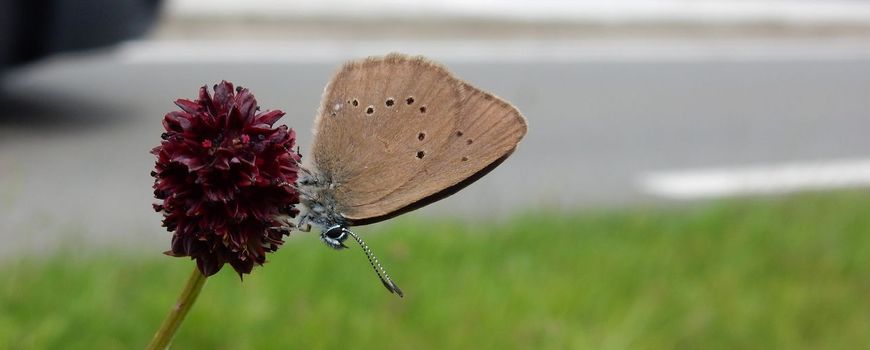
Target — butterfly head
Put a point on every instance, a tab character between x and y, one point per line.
335	236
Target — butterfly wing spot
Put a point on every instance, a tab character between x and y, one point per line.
421	136
370	110
423	109
409	100
390	102
420	154
354	102
469	141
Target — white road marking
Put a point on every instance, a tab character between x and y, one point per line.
765	179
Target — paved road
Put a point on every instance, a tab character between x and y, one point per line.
75	137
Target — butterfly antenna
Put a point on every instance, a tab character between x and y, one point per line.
376	265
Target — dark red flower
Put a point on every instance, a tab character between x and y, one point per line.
224	179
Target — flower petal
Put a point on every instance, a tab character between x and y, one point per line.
269	118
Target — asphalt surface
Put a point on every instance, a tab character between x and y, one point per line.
76	131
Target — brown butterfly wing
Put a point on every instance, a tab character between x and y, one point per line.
486	132
367	133
399	157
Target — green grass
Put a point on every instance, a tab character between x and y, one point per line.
786	273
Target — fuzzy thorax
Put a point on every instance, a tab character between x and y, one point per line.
319	206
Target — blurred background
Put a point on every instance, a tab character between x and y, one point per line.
694	175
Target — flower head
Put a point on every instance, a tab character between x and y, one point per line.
224	179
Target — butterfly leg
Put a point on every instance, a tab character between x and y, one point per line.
303	224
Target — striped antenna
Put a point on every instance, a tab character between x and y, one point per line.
376	265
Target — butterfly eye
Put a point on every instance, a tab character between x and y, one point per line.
336	233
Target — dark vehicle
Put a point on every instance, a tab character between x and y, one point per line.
32	29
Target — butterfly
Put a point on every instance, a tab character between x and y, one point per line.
393	134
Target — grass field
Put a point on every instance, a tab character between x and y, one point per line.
786	273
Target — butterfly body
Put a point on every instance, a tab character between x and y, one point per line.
316	197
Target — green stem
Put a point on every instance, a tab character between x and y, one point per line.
179	310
